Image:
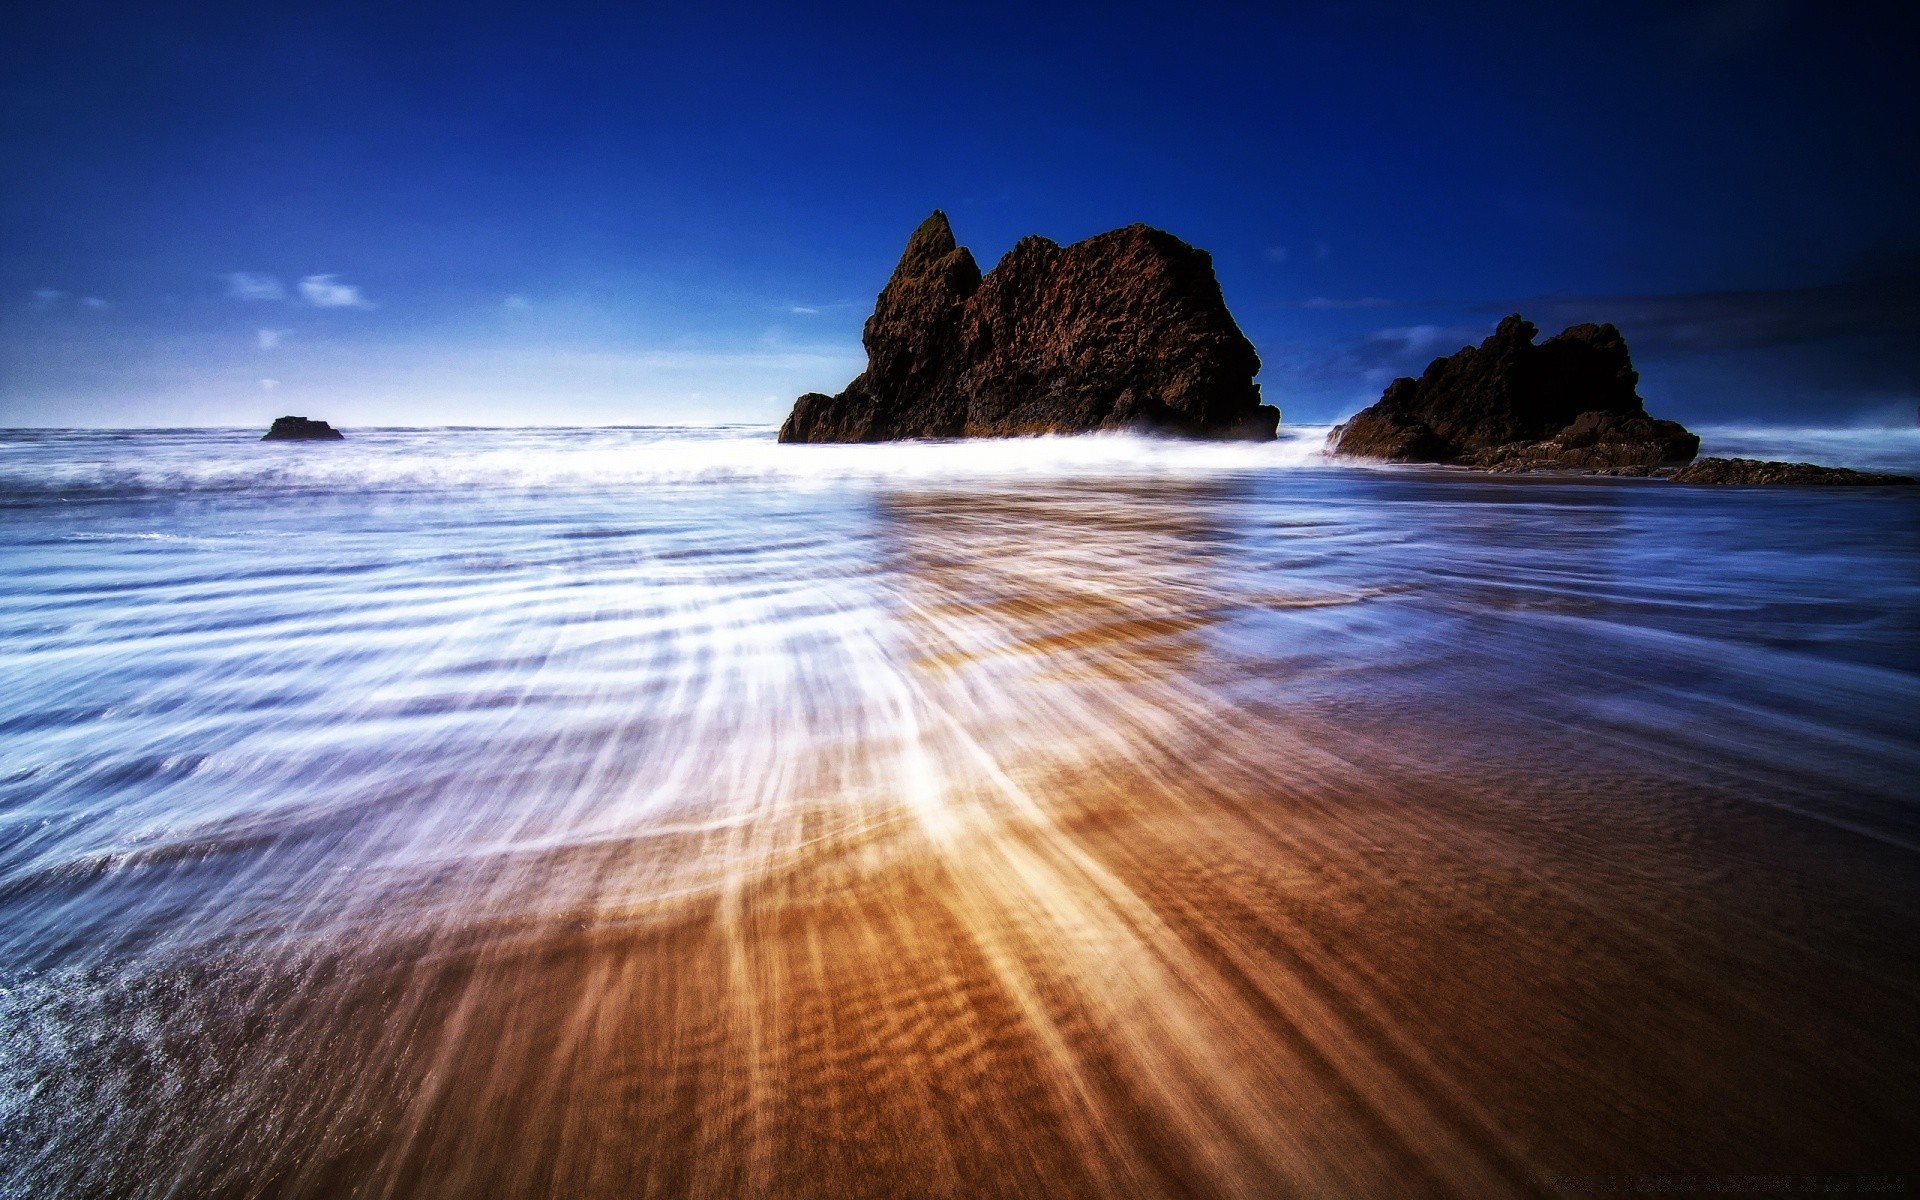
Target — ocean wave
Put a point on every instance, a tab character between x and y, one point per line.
37	466
80	465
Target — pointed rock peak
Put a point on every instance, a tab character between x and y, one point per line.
1598	335
933	259
1516	328
934	239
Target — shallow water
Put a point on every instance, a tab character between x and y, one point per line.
671	812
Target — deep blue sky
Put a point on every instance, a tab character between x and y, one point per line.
616	213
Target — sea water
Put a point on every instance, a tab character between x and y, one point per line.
294	713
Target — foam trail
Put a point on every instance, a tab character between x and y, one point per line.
670	812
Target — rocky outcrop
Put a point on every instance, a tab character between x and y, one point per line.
1125	330
1754	471
1568	404
299	429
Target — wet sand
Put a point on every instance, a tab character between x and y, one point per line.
1405	989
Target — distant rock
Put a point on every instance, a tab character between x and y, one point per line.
299	429
1125	330
1566	404
1753	470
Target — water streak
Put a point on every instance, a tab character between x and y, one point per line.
563	812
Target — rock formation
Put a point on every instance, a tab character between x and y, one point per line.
1125	330
1509	405
1753	470
299	429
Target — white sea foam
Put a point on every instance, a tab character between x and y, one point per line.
190	462
186	461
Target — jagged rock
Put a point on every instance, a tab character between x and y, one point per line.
1753	470
299	429
1125	330
1600	443
1568	403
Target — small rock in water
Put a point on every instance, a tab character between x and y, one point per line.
299	429
1753	470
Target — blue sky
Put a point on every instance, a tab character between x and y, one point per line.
624	214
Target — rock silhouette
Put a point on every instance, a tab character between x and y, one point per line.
1125	330
1753	471
299	429
1568	403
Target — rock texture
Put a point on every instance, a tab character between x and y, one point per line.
1753	470
299	429
1568	403
1126	330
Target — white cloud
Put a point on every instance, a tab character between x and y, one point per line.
322	292
829	360
517	303
269	338
267	385
1407	335
1328	302
1421	339
802	310
1277	254
47	299
252	285
1322	251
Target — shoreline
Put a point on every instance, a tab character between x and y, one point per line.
1396	980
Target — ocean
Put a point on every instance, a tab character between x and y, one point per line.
651	811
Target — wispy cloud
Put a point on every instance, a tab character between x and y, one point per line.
1276	254
813	308
1349	374
270	338
322	291
1884	303
1403	346
48	299
832	359
517	303
1412	338
253	285
1328	302
267	385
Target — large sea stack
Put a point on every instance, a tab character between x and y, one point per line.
1568	403
1126	330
